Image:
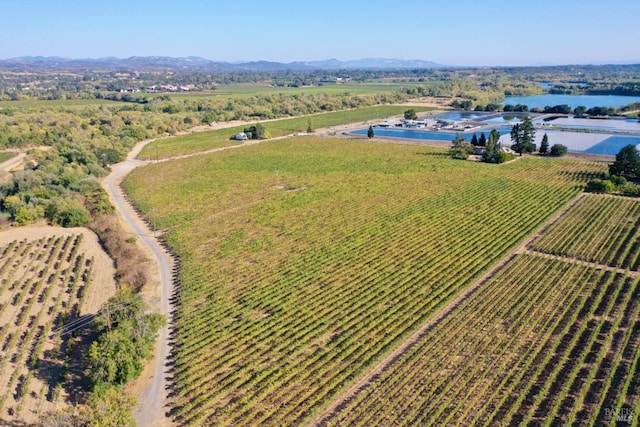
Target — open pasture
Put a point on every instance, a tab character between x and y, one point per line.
247	90
305	260
202	141
6	155
43	104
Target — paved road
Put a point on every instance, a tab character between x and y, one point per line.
151	409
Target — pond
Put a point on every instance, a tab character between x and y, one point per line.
573	101
428	135
579	142
461	115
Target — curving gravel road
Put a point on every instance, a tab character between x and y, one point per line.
151	410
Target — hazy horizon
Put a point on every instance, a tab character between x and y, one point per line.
453	33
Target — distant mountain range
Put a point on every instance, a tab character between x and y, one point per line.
197	64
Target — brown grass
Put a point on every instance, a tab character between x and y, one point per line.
131	264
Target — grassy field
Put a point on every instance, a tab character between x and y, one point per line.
305	260
4	156
202	141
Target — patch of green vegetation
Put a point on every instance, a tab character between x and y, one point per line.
192	143
76	102
4	156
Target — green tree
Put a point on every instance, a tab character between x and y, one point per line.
627	162
67	212
492	147
127	334
474	140
410	114
257	131
522	136
309	127
580	110
370	133
558	150
113	359
599	186
114	407
544	144
482	141
461	148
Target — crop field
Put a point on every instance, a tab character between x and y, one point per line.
547	340
202	141
598	229
44	288
305	260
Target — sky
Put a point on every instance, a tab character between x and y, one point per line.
449	32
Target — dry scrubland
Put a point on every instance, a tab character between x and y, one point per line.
49	277
304	261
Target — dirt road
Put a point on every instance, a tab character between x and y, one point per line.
151	409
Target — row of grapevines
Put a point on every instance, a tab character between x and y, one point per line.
526	348
268	335
598	228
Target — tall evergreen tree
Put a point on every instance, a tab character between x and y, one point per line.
370	133
492	147
474	140
544	144
522	135
627	162
482	142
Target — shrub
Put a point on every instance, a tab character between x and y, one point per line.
599	186
501	157
558	150
67	212
618	181
630	190
26	215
